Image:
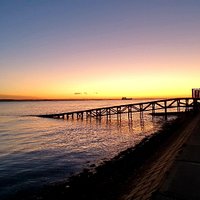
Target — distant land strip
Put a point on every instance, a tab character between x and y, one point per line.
100	99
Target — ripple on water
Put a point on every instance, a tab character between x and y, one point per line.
37	151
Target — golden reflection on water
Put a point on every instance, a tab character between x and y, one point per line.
115	134
44	147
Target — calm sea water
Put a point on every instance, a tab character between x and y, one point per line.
36	151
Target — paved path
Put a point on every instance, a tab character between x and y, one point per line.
183	179
182	170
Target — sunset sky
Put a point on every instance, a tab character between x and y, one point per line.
99	48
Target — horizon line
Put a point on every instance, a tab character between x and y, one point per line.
81	99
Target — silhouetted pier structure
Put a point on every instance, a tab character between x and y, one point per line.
151	106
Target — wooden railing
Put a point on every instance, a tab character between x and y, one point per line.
152	106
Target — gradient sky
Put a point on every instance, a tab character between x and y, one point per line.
99	48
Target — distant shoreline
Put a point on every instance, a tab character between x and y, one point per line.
9	100
1	100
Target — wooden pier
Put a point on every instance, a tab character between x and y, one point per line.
151	106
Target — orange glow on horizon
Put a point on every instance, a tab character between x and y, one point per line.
111	51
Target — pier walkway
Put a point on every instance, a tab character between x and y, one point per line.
175	174
164	105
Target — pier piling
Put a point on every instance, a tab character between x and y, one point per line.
152	106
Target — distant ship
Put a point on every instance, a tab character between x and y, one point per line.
126	98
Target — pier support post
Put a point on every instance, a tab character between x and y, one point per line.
178	106
195	105
187	105
165	110
165	107
153	108
129	113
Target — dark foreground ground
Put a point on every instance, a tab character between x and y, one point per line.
182	180
114	179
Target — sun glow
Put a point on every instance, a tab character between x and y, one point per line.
127	51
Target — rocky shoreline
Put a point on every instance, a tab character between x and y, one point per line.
112	179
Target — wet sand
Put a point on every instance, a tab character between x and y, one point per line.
115	179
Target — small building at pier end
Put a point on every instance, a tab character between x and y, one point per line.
196	93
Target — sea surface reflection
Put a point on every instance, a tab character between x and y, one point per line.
37	151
